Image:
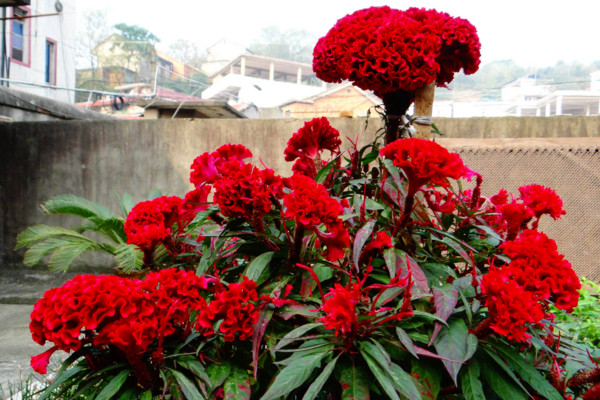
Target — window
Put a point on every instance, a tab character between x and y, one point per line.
50	70
19	39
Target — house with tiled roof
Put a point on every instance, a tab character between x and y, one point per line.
341	100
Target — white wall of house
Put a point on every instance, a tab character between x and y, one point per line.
48	43
257	91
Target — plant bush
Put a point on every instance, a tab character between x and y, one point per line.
376	272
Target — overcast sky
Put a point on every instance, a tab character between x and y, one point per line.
532	32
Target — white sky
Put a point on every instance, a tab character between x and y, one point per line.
534	33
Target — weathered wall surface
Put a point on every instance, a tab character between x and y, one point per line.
100	160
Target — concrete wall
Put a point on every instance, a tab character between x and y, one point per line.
99	160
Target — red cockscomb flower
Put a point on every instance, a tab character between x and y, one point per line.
339	307
207	167
512	309
388	50
542	200
537	266
309	141
310	205
424	161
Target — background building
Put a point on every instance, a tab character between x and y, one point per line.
38	47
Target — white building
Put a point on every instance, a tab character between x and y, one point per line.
38	49
263	81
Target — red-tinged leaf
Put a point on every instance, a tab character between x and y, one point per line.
292	310
426	353
406	341
452	342
445	299
362	236
237	386
429	378
257	336
218	373
393	193
355	385
398	262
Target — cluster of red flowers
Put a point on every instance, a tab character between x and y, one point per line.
234	306
512	309
310	205
424	161
106	311
518	292
246	191
307	144
537	266
386	50
241	189
207	168
509	217
149	222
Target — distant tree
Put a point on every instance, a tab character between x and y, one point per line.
186	51
292	44
93	29
137	50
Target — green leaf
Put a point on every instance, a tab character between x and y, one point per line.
382	377
470	384
62	257
188	387
451	343
60	379
113	386
129	258
237	386
75	205
314	389
355	385
194	365
218	373
527	372
293	375
294	334
147	395
127	203
506	389
39	233
401	380
257	266
502	364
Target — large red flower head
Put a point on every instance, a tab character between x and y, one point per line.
542	200
309	141
511	308
207	168
538	267
310	205
387	50
246	191
149	222
424	161
339	306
